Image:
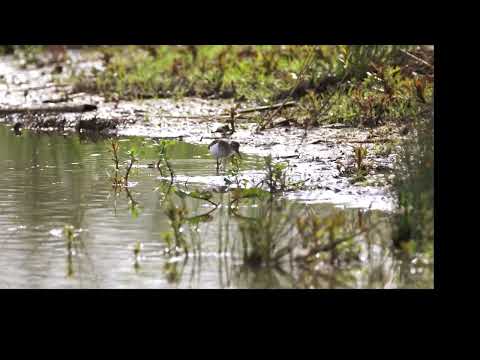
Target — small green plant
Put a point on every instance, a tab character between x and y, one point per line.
360	155
383	150
233	173
132	153
359	169
115	147
163	162
276	176
115	178
276	179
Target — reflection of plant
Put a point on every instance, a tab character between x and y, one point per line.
322	234
136	253
132	204
173	271
177	217
115	147
262	235
69	234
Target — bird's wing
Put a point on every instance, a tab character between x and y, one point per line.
212	143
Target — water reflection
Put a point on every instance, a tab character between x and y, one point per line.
155	235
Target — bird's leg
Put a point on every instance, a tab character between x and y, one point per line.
218	164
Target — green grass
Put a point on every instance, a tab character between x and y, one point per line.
259	73
366	85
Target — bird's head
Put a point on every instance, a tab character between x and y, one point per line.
236	148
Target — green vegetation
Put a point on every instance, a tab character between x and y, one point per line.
366	85
358	85
413	187
385	88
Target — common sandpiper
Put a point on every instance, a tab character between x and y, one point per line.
221	149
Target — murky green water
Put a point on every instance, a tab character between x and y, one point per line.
126	239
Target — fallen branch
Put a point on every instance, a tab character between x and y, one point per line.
56	101
47	86
50	109
267	107
417	58
202	117
339	141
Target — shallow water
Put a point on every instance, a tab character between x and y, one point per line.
49	181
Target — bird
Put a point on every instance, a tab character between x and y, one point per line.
223	149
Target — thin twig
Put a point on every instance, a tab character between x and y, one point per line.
267	107
41	87
350	141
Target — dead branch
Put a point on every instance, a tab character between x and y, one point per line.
50	109
417	58
42	87
351	141
267	107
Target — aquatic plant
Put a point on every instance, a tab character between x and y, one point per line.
163	161
115	178
233	173
115	146
276	179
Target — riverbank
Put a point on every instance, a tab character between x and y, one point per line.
322	156
108	175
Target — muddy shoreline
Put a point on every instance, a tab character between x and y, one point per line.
318	157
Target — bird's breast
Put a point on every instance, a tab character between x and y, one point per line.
218	151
